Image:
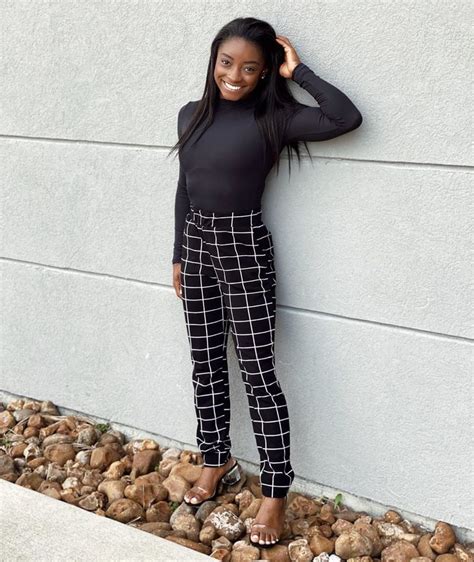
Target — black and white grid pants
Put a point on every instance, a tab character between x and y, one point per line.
228	281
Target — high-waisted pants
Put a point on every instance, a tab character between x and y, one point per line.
228	281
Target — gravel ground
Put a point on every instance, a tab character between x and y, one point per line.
142	484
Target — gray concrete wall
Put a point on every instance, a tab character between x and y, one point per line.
374	321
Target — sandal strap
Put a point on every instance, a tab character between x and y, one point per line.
202	489
262	525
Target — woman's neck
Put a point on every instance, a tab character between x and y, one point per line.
247	101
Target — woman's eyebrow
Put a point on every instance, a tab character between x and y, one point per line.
245	62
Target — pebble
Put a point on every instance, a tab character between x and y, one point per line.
143	484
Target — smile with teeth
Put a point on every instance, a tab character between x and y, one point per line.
231	87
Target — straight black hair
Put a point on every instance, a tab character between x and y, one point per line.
273	96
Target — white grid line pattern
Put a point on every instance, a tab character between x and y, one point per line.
228	283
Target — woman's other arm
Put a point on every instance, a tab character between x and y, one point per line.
335	116
181	204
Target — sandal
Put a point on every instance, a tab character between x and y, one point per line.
269	529
231	476
259	544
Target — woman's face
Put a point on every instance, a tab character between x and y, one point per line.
240	64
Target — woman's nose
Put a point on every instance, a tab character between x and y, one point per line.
234	78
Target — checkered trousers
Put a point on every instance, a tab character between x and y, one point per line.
228	281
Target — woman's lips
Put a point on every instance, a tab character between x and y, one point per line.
231	88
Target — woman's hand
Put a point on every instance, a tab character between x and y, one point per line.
291	58
177	279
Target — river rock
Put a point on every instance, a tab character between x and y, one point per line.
252	509
47	407
278	553
116	470
400	551
88	436
103	457
158	512
166	465
30	480
60	453
6	421
443	538
205	509
190	472
6	465
301	506
142	493
176	487
113	489
221	554
352	544
341	526
145	461
299	551
18	450
208	533
124	510
187	522
226	523
242	551
319	544
190	544
463	553
424	547
93	501
56	438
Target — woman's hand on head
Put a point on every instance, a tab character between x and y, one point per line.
292	59
177	279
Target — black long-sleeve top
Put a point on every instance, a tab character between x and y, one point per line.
225	170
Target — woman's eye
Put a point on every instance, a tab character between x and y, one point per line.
248	68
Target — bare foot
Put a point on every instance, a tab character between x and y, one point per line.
207	480
268	525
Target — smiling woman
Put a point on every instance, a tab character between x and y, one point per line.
237	72
226	170
223	256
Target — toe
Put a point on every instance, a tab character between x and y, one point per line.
192	497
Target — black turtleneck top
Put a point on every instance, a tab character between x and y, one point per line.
225	170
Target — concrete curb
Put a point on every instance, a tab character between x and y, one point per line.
36	527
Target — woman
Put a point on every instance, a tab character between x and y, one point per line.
223	260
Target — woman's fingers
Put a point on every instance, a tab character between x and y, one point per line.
285	41
177	281
291	56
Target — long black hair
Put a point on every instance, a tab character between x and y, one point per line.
273	97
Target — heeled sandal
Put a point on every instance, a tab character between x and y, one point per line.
270	530
230	476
